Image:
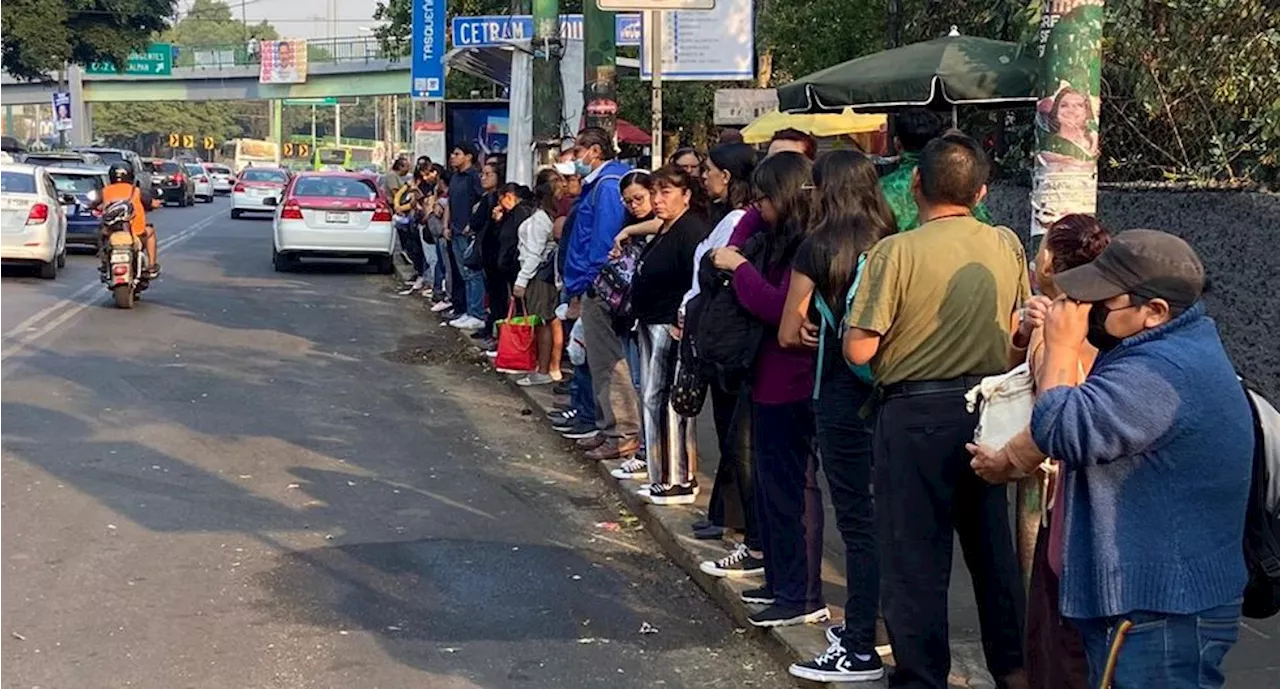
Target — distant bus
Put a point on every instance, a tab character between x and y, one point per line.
241	153
333	159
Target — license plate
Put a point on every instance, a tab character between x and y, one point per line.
337	217
120	257
257	192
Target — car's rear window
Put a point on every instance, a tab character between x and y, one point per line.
252	175
110	157
49	161
169	168
17	182
340	187
76	184
220	169
195	170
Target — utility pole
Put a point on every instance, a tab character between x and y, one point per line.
655	67
548	91
1065	178
600	76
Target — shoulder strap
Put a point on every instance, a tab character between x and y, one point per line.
853	290
595	190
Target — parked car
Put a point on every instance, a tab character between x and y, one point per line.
332	214
64	159
223	178
203	184
33	225
176	185
255	187
141	175
83	225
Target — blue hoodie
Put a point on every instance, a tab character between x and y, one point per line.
597	219
1157	444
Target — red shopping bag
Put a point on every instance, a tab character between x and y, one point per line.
517	347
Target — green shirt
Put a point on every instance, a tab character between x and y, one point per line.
942	300
897	191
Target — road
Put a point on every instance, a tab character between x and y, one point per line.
270	480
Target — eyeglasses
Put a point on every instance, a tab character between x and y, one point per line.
633	201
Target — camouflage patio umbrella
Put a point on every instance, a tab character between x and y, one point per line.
939	74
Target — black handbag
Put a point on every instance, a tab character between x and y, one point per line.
688	388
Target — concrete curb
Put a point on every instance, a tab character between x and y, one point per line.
669	525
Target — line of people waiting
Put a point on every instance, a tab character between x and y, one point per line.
836	319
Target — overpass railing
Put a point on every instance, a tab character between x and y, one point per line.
319	51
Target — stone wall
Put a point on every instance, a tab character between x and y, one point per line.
1237	235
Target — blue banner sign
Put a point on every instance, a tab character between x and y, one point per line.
427	68
491	31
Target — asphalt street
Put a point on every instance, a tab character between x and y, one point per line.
263	480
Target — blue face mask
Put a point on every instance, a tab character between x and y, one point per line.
581	167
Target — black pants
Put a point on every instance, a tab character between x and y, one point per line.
844	439
411	243
924	490
498	287
733	498
789	503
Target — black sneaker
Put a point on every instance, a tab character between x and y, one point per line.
758	596
672	494
561	388
835	632
580	430
838	665
566	421
778	616
735	565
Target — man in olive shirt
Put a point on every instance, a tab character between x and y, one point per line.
933	316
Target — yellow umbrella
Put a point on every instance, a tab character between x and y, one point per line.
822	124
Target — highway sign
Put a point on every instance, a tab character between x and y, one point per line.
175	140
329	100
208	143
292	150
490	31
188	141
157	62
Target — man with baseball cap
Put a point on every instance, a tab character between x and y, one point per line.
1157	446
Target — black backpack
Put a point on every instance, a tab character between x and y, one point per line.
721	336
1262	517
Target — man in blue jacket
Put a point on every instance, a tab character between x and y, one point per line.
1157	445
597	218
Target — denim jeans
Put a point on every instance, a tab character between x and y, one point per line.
789	503
1159	650
441	271
582	396
844	439
473	279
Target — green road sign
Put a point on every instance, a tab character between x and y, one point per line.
157	61
331	100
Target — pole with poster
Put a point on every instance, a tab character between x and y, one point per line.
547	96
655	59
600	68
1065	177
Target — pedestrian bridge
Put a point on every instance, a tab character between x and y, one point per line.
336	67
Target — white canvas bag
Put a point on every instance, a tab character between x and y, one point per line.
1004	405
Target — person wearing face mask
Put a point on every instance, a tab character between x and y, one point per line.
597	217
1156	445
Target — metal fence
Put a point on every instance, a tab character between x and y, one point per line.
319	51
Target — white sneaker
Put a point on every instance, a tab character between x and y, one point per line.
442	306
533	379
465	322
633	469
419	283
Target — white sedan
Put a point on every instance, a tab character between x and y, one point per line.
222	177
258	190
333	215
33	222
202	181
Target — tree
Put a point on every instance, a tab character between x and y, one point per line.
40	36
211	22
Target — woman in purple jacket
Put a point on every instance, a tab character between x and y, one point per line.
789	502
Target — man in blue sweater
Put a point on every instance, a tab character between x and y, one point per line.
597	218
1157	445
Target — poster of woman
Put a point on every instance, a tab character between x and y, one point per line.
1071	124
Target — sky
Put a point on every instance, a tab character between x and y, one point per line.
307	18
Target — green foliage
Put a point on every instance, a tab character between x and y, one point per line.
146	126
39	36
210	23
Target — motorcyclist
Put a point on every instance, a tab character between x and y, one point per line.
121	187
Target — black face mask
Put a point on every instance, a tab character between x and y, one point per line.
1098	335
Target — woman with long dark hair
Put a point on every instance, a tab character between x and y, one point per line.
535	277
662	271
852	215
789	503
486	223
727	179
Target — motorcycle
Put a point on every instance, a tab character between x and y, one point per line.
124	261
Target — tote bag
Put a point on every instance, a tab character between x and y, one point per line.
517	348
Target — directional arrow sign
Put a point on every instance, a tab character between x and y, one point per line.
157	61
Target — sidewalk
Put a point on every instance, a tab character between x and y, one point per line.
1253	659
